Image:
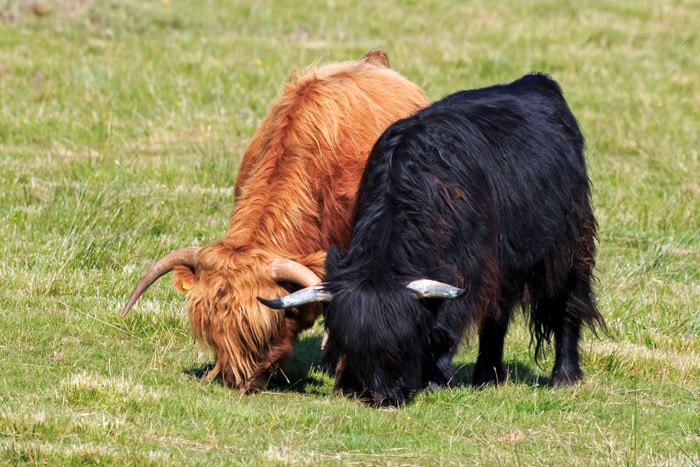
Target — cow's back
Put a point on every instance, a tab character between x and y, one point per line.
299	176
506	159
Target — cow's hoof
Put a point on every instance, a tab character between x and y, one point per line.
563	377
484	375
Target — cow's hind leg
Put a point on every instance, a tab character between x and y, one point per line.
557	316
578	308
567	370
563	316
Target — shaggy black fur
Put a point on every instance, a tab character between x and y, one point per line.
485	189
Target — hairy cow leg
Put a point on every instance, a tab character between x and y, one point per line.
489	363
329	363
557	316
443	343
577	306
567	369
437	370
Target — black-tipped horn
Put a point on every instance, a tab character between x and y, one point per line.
314	294
426	288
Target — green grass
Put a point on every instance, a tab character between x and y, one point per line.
122	124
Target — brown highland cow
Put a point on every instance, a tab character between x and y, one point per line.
294	197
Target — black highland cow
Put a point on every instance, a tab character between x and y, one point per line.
485	190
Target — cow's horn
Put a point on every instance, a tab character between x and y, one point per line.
426	288
182	257
288	270
313	294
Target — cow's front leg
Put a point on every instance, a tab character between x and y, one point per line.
489	363
437	367
439	372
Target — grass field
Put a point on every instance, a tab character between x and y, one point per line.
122	124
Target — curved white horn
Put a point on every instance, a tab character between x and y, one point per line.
313	294
426	288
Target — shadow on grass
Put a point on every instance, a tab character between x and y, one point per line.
200	371
304	372
516	371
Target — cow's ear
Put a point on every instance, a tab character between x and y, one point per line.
376	57
183	278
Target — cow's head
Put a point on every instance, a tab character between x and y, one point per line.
249	340
378	332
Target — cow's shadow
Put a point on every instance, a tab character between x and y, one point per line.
200	372
516	372
304	373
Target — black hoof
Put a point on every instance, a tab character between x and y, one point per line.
484	375
563	377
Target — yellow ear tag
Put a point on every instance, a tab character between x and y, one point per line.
185	285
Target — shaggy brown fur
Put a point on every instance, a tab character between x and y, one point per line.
294	197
